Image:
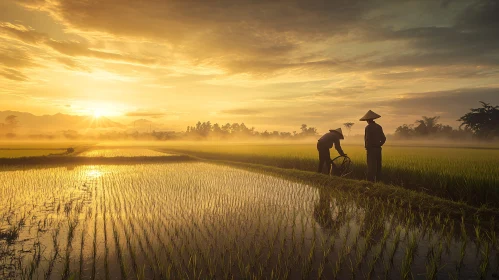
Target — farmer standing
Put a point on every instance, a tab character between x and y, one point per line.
325	143
374	138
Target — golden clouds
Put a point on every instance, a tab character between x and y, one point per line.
226	54
21	32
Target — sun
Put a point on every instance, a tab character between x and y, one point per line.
96	110
97	113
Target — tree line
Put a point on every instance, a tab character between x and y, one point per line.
203	130
481	123
9	127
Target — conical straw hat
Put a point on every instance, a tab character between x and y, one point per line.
338	130
370	115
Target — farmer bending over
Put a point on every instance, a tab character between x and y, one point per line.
325	143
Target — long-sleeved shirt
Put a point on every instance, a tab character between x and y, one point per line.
374	137
330	138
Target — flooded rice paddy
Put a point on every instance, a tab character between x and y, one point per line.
205	221
122	152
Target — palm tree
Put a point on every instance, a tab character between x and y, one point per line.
428	125
348	126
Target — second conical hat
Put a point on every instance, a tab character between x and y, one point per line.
370	115
338	130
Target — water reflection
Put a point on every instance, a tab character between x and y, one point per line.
210	221
94	172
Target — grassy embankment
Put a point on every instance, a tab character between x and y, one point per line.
459	174
20	149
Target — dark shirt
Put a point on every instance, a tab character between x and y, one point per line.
374	137
330	138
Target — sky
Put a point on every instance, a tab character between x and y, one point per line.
270	64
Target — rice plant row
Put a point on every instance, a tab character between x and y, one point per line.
203	221
460	174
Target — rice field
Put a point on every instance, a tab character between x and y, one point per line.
122	152
206	221
4	153
19	149
470	175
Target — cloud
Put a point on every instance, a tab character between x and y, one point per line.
242	111
177	20
23	33
266	38
257	37
444	72
72	64
287	62
152	114
72	48
448	103
12	74
15	58
470	39
12	61
32	3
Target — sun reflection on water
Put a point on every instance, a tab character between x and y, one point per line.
94	172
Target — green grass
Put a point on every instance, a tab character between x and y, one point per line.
28	153
406	199
19	149
461	174
42	145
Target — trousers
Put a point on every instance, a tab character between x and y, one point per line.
374	164
324	156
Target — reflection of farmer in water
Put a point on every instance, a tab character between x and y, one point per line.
325	143
322	210
374	139
333	216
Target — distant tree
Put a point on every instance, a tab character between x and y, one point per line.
484	122
285	135
235	128
204	130
226	128
11	123
11	120
70	134
427	126
348	126
217	130
404	131
308	131
445	130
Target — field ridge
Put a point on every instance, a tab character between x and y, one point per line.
407	198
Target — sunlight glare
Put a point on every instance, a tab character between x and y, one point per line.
94	173
97	114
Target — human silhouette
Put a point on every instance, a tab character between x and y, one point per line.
325	143
323	212
374	138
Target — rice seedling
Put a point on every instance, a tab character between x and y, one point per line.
121	152
11	234
199	220
461	174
